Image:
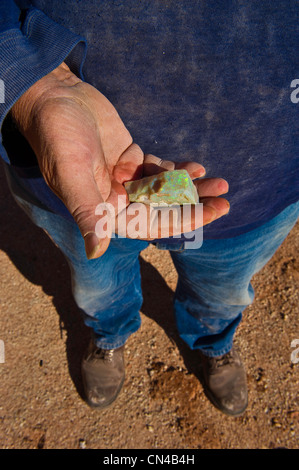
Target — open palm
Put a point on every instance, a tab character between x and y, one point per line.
85	152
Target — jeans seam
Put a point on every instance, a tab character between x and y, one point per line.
221	352
105	345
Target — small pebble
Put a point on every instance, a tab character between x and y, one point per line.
275	423
82	443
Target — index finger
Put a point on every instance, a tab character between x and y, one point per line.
153	165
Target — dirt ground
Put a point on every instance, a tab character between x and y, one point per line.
162	404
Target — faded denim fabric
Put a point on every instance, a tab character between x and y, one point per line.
213	281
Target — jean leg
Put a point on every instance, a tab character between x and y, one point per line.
214	282
107	289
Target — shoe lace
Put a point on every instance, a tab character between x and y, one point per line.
105	354
227	358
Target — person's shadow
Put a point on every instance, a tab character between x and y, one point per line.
41	262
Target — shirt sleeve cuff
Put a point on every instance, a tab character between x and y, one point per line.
29	54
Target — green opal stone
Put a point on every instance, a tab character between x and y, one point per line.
168	187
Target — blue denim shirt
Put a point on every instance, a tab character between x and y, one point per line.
213	82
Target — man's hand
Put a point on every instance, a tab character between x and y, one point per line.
85	152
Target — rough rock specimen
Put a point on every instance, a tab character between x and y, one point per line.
168	187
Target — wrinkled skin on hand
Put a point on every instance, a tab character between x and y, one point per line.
85	153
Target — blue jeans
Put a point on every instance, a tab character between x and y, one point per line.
213	281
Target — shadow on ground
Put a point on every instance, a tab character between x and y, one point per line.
40	261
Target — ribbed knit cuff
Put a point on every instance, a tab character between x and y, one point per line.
28	55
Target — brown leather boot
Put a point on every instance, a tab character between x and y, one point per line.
225	382
103	374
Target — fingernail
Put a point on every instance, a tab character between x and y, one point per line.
223	186
92	245
200	173
228	207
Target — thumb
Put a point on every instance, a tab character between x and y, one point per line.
81	195
95	224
